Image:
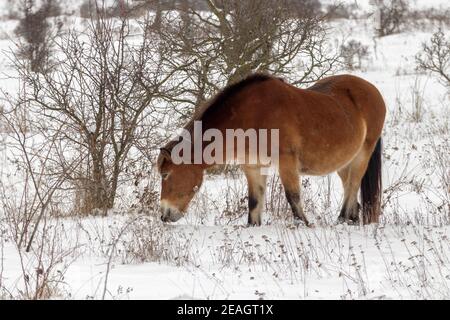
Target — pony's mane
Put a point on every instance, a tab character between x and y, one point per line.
220	99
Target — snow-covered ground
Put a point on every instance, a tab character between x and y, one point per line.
233	262
209	254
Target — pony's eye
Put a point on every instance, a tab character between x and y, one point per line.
165	175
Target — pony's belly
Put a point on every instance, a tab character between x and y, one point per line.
318	171
333	149
325	161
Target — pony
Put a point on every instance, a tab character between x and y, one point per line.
333	126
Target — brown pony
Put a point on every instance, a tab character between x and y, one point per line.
335	125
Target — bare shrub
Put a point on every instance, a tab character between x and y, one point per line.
137	238
116	9
93	8
354	53
341	11
391	14
53	8
422	18
442	154
37	34
4	293
127	8
45	267
13	11
235	38
29	202
87	9
29	207
99	101
120	8
146	239
236	199
418	103
435	57
146	188
303	8
277	207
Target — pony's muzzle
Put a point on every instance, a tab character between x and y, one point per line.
169	214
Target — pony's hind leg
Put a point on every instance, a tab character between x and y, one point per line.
350	207
256	189
351	177
291	182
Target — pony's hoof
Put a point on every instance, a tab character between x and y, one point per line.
350	222
353	222
300	222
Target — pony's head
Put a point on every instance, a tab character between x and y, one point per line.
179	184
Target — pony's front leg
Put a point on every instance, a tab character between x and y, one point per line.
291	182
256	190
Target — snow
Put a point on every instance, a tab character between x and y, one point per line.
275	262
209	255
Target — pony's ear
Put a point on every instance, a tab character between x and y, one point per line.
163	155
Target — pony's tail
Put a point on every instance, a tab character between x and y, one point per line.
371	188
